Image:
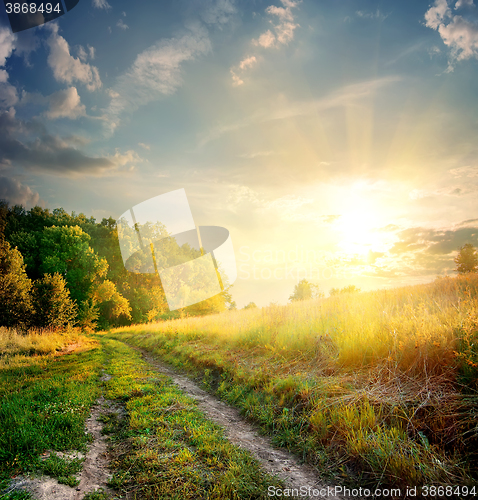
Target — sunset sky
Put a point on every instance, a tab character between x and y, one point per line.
336	141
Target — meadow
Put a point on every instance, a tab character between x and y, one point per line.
373	388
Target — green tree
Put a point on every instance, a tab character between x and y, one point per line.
305	291
65	250
52	302
15	288
467	259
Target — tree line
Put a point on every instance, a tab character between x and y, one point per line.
59	269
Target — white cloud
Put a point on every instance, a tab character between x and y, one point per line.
436	14
266	40
461	36
67	68
91	51
247	62
284	30
283	14
122	159
156	72
122	25
82	53
282	35
66	104
145	146
17	193
8	93
464	171
458	33
463	3
101	4
7	39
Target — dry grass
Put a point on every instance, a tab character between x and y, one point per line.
387	378
16	347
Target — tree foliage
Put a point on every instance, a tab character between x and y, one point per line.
467	259
305	291
85	256
52	302
15	288
251	305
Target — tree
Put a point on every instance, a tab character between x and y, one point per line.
15	287
467	259
251	305
65	250
305	291
52	302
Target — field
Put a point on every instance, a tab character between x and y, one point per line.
374	389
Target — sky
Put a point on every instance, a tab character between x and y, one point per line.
336	141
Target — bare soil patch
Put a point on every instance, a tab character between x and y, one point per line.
94	475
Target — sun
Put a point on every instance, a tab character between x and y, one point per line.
359	232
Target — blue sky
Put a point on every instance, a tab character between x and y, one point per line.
335	140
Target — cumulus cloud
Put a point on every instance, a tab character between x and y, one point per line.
458	33
16	193
67	68
8	93
283	32
266	40
7	39
246	63
284	28
156	72
66	104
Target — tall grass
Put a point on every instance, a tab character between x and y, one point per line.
386	379
15	344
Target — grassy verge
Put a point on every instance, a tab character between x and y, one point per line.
377	388
44	402
166	448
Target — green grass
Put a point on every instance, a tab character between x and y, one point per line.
167	448
371	388
44	402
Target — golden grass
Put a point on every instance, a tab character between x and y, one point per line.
16	347
420	330
388	377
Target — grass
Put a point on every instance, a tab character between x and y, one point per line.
44	402
35	341
375	388
165	448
